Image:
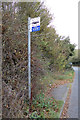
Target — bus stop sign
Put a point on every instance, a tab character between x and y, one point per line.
34	24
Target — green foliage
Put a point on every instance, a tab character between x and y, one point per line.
49	51
76	58
45	107
34	115
65	75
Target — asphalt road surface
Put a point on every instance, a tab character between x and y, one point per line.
74	103
79	93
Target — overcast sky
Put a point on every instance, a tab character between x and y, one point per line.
65	17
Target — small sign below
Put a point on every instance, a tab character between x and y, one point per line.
35	24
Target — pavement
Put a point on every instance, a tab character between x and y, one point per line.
60	93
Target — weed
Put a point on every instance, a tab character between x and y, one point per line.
45	107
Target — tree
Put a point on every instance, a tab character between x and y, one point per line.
46	45
14	42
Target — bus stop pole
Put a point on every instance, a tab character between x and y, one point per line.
29	59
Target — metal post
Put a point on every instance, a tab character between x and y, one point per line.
29	59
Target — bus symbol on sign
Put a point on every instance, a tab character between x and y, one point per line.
35	24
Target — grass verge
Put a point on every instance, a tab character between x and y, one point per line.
44	107
48	107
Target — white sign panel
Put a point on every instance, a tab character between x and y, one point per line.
35	24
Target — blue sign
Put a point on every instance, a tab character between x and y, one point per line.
36	28
35	24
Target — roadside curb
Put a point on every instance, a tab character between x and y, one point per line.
66	96
64	113
64	103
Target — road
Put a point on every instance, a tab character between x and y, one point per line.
79	93
74	103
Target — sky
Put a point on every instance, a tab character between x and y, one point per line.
65	18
